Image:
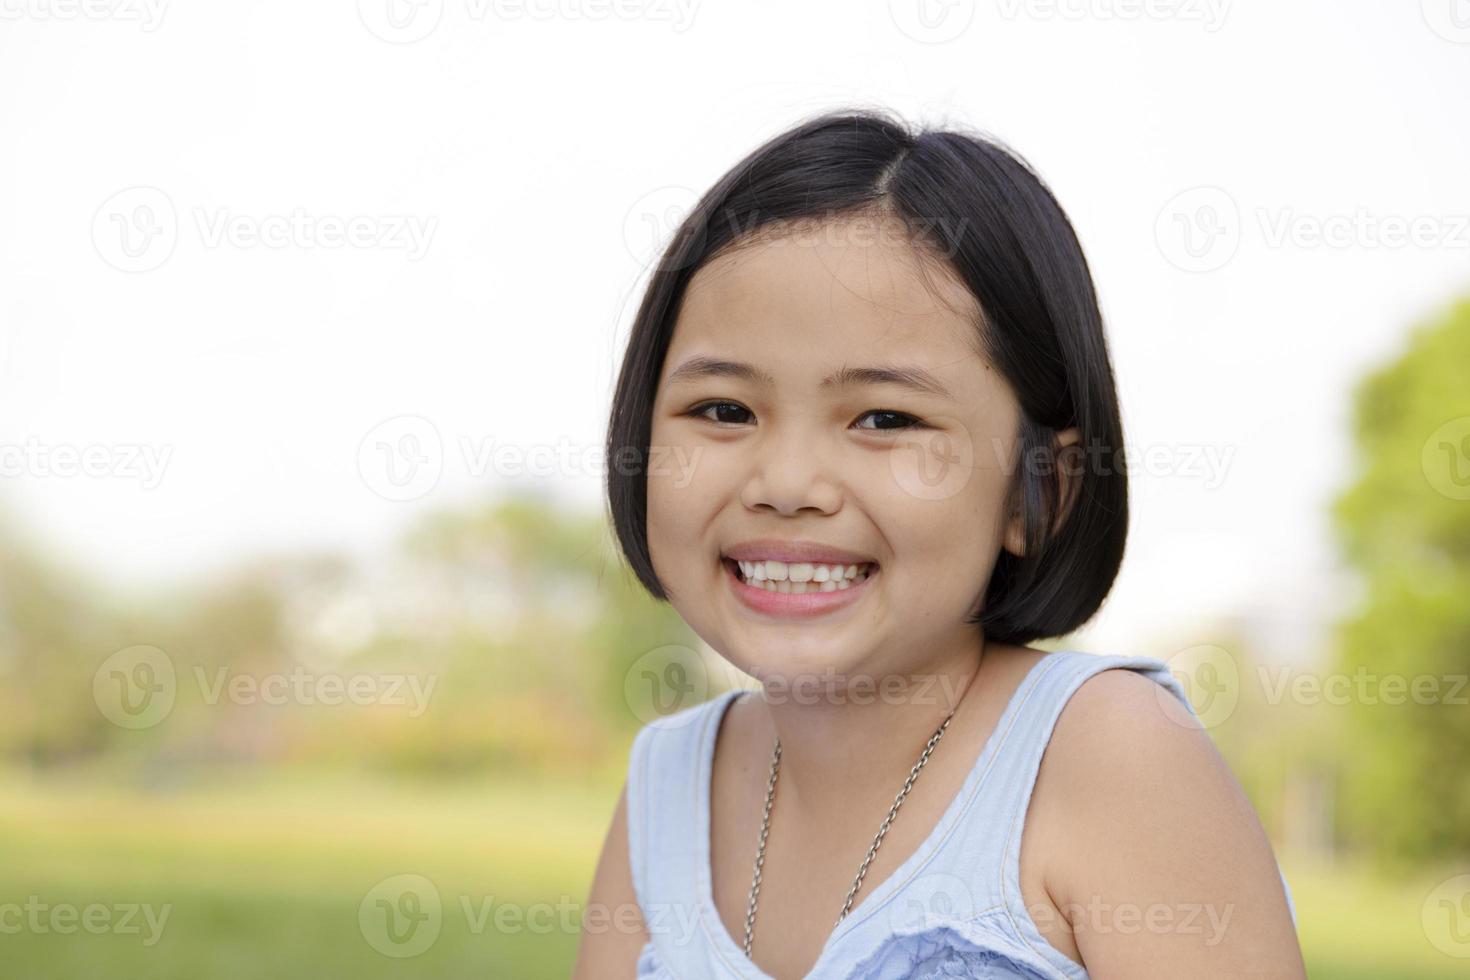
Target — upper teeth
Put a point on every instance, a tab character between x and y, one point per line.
780	571
837	576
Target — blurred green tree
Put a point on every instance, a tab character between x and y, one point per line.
1404	525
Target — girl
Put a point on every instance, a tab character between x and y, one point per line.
880	356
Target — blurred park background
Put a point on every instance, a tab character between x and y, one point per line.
309	613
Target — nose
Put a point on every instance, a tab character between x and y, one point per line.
789	474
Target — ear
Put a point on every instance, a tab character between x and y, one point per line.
1067	472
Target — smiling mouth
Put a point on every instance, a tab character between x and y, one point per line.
799	578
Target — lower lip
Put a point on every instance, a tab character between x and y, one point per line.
790	604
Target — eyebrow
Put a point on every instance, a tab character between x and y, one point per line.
913	378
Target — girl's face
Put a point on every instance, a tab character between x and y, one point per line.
819	394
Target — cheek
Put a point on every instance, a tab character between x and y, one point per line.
945	535
679	508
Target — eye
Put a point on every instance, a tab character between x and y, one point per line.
729	409
902	419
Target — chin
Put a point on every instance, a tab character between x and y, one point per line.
806	666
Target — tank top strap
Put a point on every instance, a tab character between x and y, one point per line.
1018	772
990	844
668	779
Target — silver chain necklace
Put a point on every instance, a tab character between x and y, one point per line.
760	856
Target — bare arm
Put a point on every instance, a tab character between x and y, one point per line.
1164	869
613	932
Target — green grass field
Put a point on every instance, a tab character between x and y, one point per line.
267	877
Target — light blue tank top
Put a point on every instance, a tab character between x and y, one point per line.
952	909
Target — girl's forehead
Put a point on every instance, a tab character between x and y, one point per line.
832	290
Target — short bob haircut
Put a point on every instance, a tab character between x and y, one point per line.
982	210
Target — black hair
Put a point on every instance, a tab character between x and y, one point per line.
980	208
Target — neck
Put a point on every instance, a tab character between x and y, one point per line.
857	738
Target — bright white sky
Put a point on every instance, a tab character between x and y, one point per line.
508	166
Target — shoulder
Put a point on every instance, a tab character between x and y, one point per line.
1121	715
1147	816
1127	753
